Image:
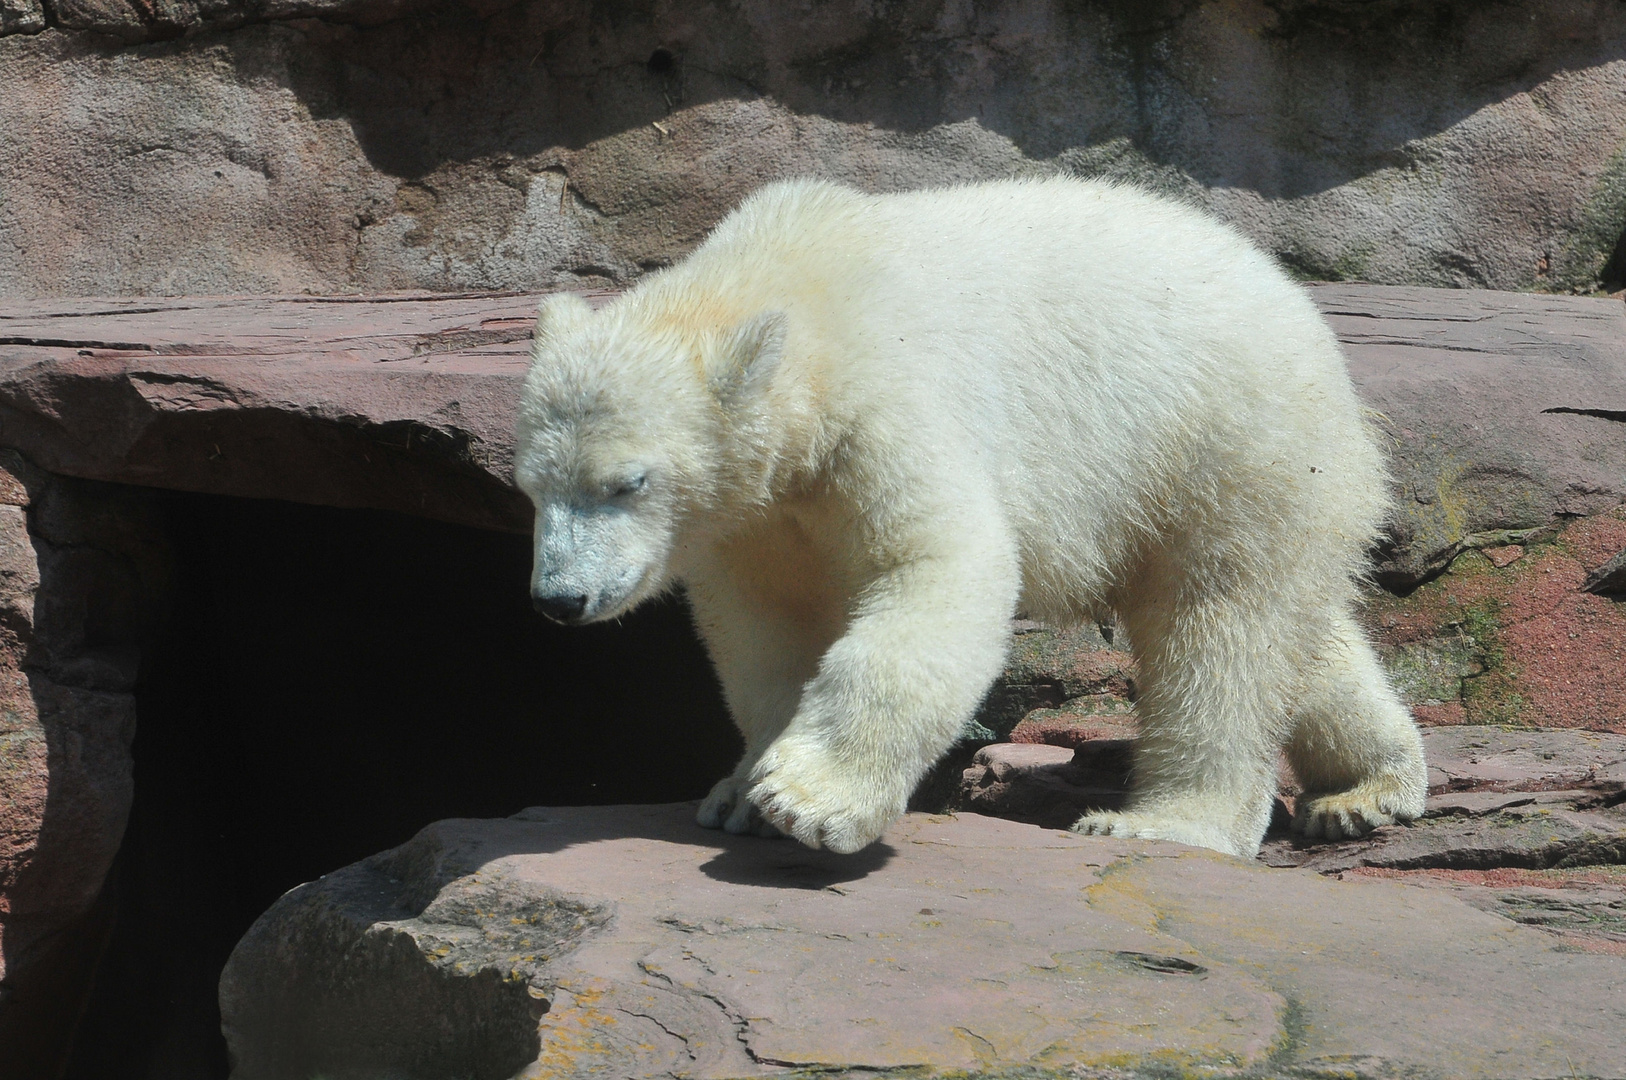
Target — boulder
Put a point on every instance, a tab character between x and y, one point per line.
21	17
295	146
625	941
1610	578
400	403
405	403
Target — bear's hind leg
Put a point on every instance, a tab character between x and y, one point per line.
1212	712
1354	746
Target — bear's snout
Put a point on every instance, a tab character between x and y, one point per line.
564	609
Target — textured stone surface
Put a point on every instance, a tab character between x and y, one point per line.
386	144
1502	410
1521	642
1499	798
158	20
1044	784
1608	579
1584	909
401	405
625	941
79	565
21	17
1479	831
1508	759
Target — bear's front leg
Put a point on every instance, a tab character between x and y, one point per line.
891	695
764	650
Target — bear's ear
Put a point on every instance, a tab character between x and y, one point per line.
747	358
558	314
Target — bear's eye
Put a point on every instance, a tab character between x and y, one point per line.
628	486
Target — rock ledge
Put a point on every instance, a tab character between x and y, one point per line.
626	942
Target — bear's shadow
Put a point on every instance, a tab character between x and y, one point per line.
784	864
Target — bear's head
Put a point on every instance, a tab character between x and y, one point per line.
622	444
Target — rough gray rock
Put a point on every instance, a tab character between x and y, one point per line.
21	17
386	144
79	566
652	948
159	20
1610	578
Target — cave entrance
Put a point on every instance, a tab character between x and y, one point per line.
326	683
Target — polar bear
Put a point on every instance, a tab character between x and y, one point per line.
863	431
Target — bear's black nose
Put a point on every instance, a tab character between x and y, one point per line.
560	608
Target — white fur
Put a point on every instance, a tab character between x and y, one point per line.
871	428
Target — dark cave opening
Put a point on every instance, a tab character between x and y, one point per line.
327	683
1613	276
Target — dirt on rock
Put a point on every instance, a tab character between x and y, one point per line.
1500	640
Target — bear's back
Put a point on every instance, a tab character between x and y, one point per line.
1084	347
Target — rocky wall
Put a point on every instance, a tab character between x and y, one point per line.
273	146
81	576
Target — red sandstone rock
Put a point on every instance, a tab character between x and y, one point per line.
402	404
1045	785
625	941
1584	909
1502	759
1498	405
1073	726
1499	798
406	404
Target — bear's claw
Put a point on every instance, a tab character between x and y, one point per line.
812	799
1149	826
726	808
1348	815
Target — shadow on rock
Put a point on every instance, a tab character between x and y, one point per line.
785	864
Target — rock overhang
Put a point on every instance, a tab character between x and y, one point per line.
1501	410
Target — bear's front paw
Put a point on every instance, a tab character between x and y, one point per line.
1349	815
727	808
1152	826
810	797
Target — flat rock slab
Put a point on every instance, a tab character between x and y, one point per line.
1477	831
1504	408
1510	759
402	403
627	942
1499	798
